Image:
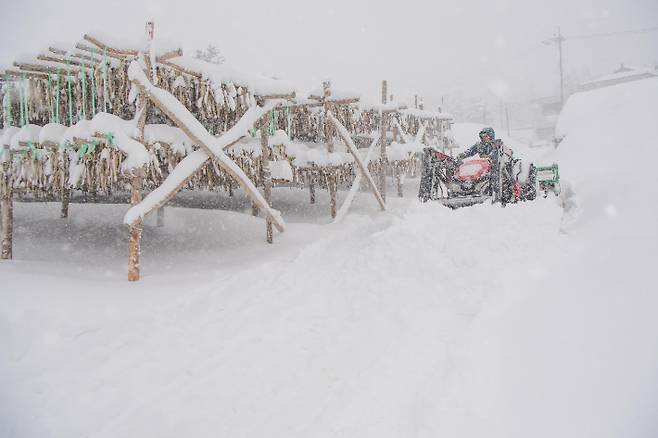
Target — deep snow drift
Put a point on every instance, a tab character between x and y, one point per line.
420	321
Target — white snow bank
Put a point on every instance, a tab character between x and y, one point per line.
609	152
574	351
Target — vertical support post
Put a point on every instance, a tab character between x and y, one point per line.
135	232
134	250
333	189
7	202
328	132
266	175
311	188
160	217
66	199
329	135
66	191
383	157
398	180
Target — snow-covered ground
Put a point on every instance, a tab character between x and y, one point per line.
416	322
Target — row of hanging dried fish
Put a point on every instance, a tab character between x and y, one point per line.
67	99
98	172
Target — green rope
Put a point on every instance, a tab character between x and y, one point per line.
92	147
83	150
93	83
50	99
57	99
84	90
33	150
105	80
274	122
110	138
26	88
20	103
70	94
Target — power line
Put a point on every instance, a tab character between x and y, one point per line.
609	34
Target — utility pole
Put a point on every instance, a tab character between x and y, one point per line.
559	47
558	40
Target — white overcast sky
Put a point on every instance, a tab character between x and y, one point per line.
424	47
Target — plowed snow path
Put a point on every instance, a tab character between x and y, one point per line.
336	330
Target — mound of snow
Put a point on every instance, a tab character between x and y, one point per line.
576	354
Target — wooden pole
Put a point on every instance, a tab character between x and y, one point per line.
332	183
134	250
363	167
383	157
266	175
328	133
398	180
66	191
311	188
135	232
66	199
7	208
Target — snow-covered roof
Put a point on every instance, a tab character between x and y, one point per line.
622	76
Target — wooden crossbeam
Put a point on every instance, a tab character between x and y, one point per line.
76	57
44	69
344	135
169	55
102	46
86	48
182	118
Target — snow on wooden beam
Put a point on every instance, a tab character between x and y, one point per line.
356	185
115	51
50	68
181	69
212	146
75	57
59	60
345	136
57	51
15	74
169	55
88	49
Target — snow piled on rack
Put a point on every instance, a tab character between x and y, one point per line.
225	74
123	133
210	143
422	321
302	154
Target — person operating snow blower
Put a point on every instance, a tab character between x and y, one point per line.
493	175
488	148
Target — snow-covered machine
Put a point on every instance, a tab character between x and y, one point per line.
459	184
